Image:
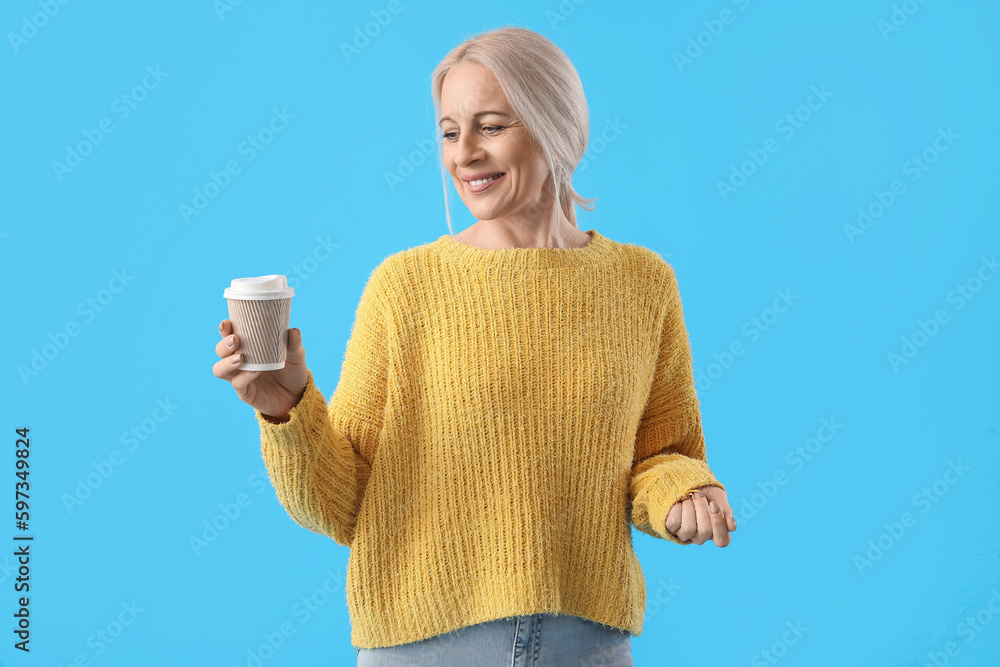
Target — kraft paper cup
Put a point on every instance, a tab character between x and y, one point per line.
260	309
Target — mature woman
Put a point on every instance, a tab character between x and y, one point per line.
513	399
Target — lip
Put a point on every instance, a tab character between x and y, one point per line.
485	186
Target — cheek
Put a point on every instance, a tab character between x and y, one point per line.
529	168
531	177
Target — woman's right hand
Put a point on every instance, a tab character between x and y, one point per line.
273	393
692	519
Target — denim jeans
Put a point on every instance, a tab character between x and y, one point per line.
544	640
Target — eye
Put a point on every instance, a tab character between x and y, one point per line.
489	129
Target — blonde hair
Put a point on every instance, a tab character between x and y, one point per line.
544	92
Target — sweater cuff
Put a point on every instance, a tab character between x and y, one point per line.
291	434
667	480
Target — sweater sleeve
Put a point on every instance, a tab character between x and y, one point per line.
669	455
319	460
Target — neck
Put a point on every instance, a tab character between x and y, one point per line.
525	232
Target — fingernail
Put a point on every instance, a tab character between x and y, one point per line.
698	494
237	358
221	324
230	342
713	507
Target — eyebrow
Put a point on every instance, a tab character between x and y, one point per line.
481	113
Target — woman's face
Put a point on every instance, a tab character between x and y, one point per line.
481	139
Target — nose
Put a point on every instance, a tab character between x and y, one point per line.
468	149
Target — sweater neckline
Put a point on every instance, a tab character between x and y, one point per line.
597	250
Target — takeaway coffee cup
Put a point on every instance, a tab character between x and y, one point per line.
259	309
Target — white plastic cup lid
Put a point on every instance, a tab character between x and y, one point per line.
274	286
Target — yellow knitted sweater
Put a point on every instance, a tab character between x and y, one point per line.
501	420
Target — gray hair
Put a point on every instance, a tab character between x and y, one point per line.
544	92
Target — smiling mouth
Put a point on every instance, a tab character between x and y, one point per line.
481	185
484	181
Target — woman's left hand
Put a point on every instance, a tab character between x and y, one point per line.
692	519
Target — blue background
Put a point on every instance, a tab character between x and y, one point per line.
315	203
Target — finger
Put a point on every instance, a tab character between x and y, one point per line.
295	353
720	531
730	515
244	378
228	345
225	328
703	532
718	494
228	367
689	522
673	522
727	511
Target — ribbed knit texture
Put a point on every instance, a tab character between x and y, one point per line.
502	419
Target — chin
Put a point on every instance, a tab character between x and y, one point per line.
485	213
482	210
